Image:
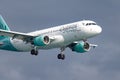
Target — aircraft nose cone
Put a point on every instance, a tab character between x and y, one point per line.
98	29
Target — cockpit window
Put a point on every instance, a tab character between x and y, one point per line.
94	24
90	24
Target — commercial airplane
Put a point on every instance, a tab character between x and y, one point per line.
73	35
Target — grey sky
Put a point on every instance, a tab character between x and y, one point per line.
102	63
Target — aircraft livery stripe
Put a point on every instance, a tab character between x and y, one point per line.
7	45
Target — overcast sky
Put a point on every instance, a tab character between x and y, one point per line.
102	63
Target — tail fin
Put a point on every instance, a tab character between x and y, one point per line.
3	24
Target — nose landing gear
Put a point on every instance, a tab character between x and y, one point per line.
61	55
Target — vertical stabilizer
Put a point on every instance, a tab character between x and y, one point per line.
3	24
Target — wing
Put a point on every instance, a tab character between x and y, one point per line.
18	35
25	37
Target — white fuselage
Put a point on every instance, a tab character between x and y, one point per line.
64	35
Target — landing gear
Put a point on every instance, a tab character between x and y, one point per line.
61	55
34	52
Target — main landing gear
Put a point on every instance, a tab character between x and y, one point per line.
34	51
61	55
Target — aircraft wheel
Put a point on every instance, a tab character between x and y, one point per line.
61	56
34	52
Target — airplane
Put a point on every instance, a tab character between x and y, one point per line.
73	36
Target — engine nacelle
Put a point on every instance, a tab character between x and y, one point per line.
81	47
41	41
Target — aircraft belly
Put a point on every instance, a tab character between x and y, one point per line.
20	45
53	45
62	41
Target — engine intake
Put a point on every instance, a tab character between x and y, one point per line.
81	47
41	41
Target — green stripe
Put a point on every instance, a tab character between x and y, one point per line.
7	45
3	24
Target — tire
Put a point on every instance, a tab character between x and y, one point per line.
34	52
61	56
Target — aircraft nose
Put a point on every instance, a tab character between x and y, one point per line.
98	29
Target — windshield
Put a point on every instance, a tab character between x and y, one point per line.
90	24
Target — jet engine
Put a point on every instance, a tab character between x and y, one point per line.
80	47
41	41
